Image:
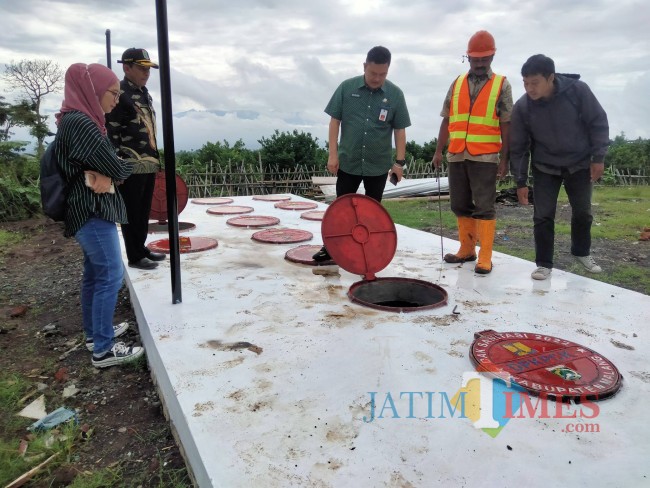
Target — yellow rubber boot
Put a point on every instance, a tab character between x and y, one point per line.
486	231
467	235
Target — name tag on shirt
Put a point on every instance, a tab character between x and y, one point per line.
355	95
383	113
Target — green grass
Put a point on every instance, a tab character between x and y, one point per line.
62	440
12	428
12	388
98	479
122	477
620	214
8	238
527	254
420	214
626	276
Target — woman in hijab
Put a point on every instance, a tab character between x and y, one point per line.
90	166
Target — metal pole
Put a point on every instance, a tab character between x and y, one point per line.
108	48
170	156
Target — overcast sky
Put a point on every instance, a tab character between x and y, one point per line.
241	69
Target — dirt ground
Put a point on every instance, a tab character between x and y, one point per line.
41	338
119	405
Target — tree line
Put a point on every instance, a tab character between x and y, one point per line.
34	80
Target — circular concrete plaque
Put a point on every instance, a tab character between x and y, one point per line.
272	198
313	215
253	221
282	236
303	255
212	201
296	205
186	245
229	210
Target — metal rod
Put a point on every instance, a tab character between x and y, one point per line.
170	153
108	48
442	252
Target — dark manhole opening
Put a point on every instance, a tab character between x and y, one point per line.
398	294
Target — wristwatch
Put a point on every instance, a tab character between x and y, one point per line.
400	162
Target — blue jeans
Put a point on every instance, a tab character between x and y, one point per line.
546	189
102	280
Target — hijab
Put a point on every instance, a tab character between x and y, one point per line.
85	85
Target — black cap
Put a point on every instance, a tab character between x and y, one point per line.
137	55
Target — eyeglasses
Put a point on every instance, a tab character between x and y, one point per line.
116	94
484	59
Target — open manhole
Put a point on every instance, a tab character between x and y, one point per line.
398	294
360	236
212	201
296	205
282	236
186	245
253	221
229	210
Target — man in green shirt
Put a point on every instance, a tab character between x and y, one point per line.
366	110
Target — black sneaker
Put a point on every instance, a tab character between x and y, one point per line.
322	255
119	353
154	256
118	330
143	263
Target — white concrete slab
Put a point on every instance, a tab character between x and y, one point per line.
287	409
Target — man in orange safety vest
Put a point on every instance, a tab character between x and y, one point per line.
475	119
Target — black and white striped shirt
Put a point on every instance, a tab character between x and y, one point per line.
79	146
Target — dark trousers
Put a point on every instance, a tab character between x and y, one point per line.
473	189
137	191
347	183
546	189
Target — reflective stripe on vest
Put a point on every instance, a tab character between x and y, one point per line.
479	131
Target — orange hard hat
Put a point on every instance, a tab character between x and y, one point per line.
481	44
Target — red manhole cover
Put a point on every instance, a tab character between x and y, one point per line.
313	215
359	234
212	201
159	197
303	255
296	205
186	244
545	365
272	198
229	210
282	236
253	221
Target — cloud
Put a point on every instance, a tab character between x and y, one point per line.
282	59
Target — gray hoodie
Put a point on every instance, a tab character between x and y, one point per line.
568	131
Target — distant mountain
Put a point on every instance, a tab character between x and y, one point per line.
241	114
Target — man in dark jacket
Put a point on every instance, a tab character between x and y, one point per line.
132	129
561	125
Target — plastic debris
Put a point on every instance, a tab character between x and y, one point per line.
59	416
70	390
35	410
